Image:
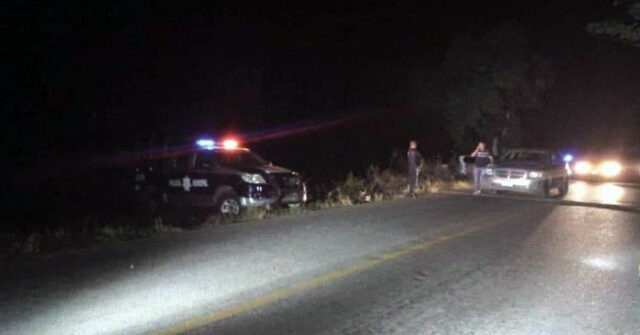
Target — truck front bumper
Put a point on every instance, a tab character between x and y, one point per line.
257	202
266	195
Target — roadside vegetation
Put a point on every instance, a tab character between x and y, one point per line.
375	185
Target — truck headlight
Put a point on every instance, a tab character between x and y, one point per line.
295	181
253	178
535	174
488	172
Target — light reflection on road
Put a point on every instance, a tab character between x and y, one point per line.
578	190
609	193
604	193
599	262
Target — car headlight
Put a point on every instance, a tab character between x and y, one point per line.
535	174
253	178
582	167
610	168
488	172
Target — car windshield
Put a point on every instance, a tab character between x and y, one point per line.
526	156
238	158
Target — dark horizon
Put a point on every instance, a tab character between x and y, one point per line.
91	80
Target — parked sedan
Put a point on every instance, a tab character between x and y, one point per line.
533	171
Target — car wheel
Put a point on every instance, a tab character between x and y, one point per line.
564	188
227	203
544	189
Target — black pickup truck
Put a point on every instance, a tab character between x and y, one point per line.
226	177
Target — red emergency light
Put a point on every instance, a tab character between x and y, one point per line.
230	144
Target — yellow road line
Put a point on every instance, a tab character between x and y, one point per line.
321	280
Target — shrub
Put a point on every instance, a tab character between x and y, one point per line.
379	185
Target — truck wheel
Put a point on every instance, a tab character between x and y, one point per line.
227	202
152	206
149	202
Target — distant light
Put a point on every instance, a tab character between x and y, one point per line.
206	143
610	168
568	158
230	144
582	167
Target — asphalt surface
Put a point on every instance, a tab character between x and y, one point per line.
447	264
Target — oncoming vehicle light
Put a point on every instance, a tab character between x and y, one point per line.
230	144
610	168
582	167
206	143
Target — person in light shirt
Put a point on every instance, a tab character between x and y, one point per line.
483	158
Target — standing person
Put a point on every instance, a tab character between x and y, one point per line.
483	158
414	164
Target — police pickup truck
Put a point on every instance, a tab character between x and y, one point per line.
225	176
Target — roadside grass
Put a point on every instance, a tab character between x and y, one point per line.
125	232
375	185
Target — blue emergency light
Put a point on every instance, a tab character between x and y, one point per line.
206	143
568	158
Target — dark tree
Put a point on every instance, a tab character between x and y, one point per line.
623	28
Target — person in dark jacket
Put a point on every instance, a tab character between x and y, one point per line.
414	164
483	158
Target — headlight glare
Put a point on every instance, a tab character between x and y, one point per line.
582	168
488	172
610	168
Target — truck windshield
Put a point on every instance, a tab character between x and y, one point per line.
238	158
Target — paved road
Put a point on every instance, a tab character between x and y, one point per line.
449	264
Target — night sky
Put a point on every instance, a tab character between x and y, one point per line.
88	80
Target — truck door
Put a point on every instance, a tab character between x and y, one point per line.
179	186
203	178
